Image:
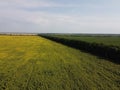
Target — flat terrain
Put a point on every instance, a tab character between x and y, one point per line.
35	63
106	40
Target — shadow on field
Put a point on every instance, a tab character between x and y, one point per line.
101	51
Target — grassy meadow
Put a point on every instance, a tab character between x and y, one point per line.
115	41
106	40
36	63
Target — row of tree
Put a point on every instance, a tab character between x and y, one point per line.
111	53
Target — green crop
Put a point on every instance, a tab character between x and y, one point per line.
35	63
106	40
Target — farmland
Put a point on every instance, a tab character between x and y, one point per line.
36	63
106	40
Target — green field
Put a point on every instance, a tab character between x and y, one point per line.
36	63
106	40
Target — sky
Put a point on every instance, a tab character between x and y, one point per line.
60	16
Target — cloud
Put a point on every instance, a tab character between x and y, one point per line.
13	18
32	3
53	3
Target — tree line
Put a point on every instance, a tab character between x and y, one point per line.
111	53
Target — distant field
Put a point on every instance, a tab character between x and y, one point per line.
35	63
106	40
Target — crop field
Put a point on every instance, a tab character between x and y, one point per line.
36	63
106	40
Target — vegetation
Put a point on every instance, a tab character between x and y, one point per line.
35	63
110	52
106	40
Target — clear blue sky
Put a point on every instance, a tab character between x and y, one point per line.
60	16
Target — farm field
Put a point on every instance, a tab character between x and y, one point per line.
36	63
106	40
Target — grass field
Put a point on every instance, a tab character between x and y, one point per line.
35	63
106	40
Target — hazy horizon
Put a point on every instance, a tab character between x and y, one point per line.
60	16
